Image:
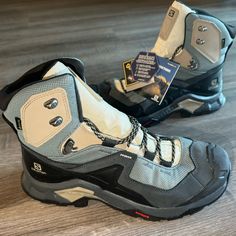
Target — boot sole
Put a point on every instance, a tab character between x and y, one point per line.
78	193
188	105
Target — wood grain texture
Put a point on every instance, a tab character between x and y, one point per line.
103	33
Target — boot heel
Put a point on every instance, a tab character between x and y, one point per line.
211	106
206	105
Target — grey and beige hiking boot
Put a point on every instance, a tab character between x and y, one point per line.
199	42
77	147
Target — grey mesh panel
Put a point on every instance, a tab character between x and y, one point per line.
52	148
204	63
147	172
91	153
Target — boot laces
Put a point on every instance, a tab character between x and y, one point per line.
135	128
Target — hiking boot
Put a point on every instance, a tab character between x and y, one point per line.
77	147
199	42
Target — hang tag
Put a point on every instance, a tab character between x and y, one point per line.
129	83
128	73
162	80
153	86
144	66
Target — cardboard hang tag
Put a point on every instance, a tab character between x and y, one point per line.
152	75
129	83
162	80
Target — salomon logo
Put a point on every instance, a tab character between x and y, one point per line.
171	13
155	98
38	168
214	84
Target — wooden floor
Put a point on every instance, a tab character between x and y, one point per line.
103	34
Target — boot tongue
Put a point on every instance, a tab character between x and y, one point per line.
57	69
109	120
172	31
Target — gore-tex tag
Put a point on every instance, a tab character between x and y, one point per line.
128	83
144	66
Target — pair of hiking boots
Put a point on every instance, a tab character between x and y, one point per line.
78	145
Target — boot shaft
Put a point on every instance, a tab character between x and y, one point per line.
56	114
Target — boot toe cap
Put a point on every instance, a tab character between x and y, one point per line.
213	169
219	161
